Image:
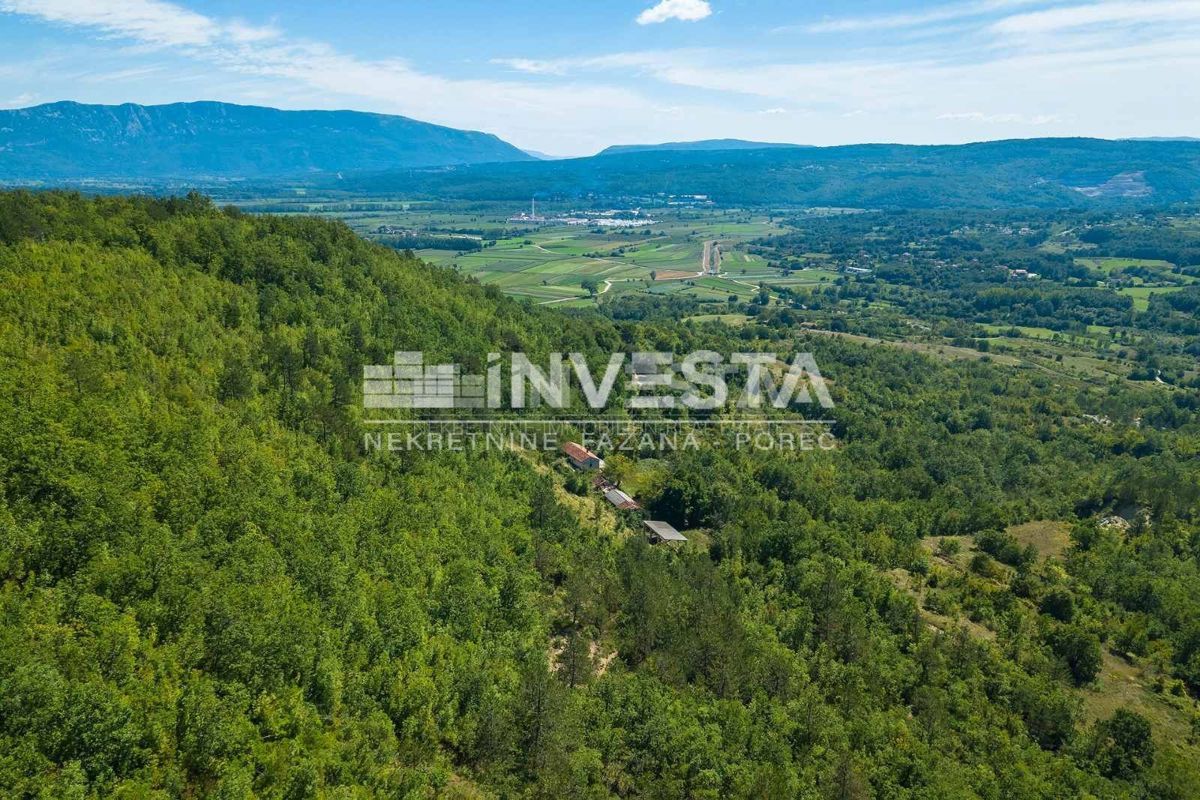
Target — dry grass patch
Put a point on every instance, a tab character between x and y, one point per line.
1050	539
673	274
1125	685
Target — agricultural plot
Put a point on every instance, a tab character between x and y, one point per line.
807	276
548	292
442	258
732	320
727	286
1141	294
552	264
497	260
1108	265
676	256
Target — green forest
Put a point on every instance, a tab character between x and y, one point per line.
209	589
1018	173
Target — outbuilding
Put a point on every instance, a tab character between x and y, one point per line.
663	532
621	500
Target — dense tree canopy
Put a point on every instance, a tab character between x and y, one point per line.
209	589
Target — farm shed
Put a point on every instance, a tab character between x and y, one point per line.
621	500
663	532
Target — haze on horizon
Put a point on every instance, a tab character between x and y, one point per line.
570	80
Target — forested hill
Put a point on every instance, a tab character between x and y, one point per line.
201	141
207	589
1018	173
702	144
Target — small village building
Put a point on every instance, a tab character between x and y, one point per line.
582	458
621	500
663	532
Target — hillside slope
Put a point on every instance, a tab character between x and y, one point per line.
207	589
73	141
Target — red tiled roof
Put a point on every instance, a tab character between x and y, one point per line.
577	452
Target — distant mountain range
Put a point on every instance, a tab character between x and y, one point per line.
73	141
206	143
702	144
1014	173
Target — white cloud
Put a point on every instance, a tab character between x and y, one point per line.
152	23
149	21
22	100
685	10
533	66
244	32
642	61
775	110
1125	86
946	13
120	75
1143	12
979	116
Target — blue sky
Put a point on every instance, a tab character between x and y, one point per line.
569	78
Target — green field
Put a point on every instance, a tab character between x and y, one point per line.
1141	294
1108	264
552	264
735	320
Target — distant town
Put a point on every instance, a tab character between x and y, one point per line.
609	218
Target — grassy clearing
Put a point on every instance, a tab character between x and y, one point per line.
1124	684
1108	265
733	320
1050	539
1026	331
946	352
1141	294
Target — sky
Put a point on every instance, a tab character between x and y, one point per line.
569	78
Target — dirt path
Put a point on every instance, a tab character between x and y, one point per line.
608	282
710	261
